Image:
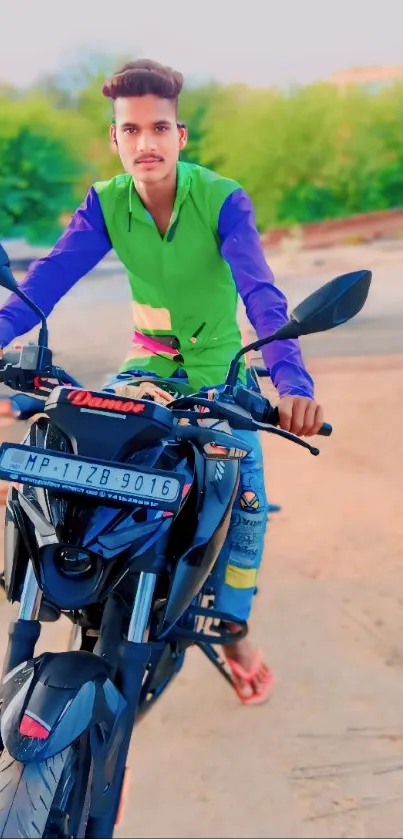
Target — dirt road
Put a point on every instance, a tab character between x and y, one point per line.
325	757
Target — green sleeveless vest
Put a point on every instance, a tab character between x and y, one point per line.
180	284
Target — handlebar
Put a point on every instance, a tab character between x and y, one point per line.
246	410
25	369
251	412
326	429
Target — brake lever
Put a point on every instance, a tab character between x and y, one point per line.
194	417
272	429
241	418
64	378
203	436
236	415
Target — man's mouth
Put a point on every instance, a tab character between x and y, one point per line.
148	160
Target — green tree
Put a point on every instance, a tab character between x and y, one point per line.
194	105
311	153
40	165
304	154
244	133
77	88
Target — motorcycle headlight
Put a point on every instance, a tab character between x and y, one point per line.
75	562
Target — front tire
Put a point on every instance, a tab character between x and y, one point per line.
29	794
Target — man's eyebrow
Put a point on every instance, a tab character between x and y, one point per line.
158	122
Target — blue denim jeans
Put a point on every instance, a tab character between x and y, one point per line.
235	574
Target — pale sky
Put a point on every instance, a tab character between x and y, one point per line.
252	41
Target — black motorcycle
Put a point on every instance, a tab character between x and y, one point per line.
117	511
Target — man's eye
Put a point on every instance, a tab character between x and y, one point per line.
161	128
129	130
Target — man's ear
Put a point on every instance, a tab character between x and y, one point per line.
183	135
112	137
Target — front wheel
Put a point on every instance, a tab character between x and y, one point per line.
46	800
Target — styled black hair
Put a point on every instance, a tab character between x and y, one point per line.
144	77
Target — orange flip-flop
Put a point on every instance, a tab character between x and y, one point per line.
6	411
5	406
255	694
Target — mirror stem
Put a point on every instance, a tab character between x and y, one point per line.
43	334
233	371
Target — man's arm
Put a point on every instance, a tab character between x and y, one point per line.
83	244
266	305
266	308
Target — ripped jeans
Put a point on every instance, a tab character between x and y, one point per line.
235	573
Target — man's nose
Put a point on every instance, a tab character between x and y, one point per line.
146	142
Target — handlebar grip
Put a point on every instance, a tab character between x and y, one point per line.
325	431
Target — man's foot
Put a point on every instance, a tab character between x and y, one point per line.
240	651
4	488
6	413
253	679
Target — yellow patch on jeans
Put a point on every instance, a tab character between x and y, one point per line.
240	577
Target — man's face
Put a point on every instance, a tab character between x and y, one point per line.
147	137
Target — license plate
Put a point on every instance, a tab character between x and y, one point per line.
70	473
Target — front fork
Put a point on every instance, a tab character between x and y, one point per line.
139	617
25	631
142	607
133	658
31	596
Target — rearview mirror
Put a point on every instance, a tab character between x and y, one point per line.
330	305
7	279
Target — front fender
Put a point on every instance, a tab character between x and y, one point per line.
50	701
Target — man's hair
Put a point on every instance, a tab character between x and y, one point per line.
144	77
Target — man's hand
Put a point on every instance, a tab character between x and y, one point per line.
300	415
144	390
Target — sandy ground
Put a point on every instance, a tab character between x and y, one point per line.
325	757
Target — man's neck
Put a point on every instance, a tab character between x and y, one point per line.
160	195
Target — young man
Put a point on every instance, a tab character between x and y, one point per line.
188	240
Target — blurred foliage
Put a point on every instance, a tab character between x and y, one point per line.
305	154
40	162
